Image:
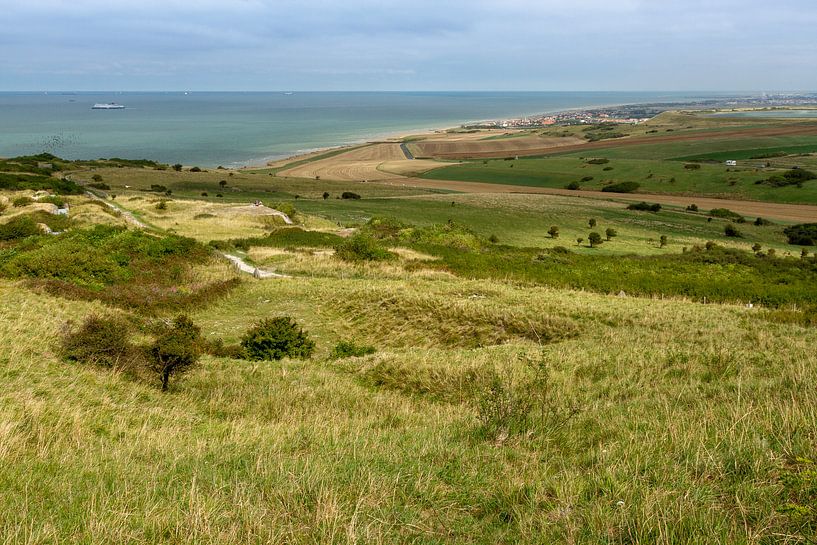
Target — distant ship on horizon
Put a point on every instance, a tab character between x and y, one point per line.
107	106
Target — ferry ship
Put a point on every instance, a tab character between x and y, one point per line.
108	106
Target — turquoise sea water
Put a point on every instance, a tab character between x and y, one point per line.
231	129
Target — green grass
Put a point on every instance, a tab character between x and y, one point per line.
389	449
653	175
524	220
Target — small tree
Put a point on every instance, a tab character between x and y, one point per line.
756	247
276	338
594	239
662	241
579	241
731	231
592	222
610	232
692	208
96	178
177	167
554	231
222	184
803	253
325	195
176	349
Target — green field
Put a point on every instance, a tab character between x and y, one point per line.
658	168
513	386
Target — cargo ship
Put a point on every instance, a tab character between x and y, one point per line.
108	106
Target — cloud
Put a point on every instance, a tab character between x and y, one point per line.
431	44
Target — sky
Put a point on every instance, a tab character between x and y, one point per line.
323	45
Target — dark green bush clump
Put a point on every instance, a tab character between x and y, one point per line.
19	227
100	340
362	247
276	338
573	186
348	349
176	349
100	185
622	187
725	213
20	202
731	231
795	176
600	161
646	207
349	195
804	234
692	166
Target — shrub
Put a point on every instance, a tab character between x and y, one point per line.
573	186
203	193
276	338
348	349
724	213
592	222
493	239
662	241
553	231
594	239
644	206
325	195
732	231
96	178
692	166
349	195
176	349
19	202
610	233
692	208
158	188
222	184
579	241
795	176
177	167
100	340
587	179
607	169
361	247
622	187
600	161
19	227
100	185
161	205
760	222
195	169
804	234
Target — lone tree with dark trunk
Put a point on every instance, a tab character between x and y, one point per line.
176	349
579	241
592	222
553	231
610	232
222	184
594	239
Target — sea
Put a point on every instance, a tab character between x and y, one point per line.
236	129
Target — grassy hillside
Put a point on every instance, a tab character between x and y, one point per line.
662	422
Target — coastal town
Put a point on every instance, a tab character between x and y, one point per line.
638	113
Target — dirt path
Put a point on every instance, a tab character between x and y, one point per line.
799	213
244	267
127	216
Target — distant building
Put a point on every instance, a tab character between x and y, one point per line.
731	163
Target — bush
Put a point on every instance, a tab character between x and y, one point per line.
804	234
554	231
349	195
361	247
161	205
644	206
19	227
600	161
692	166
100	185
610	233
177	167
622	187
586	179
573	186
760	222
96	178
731	231
493	239
594	239
100	340
725	213
195	169
692	208
19	202
348	349
276	338
176	349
